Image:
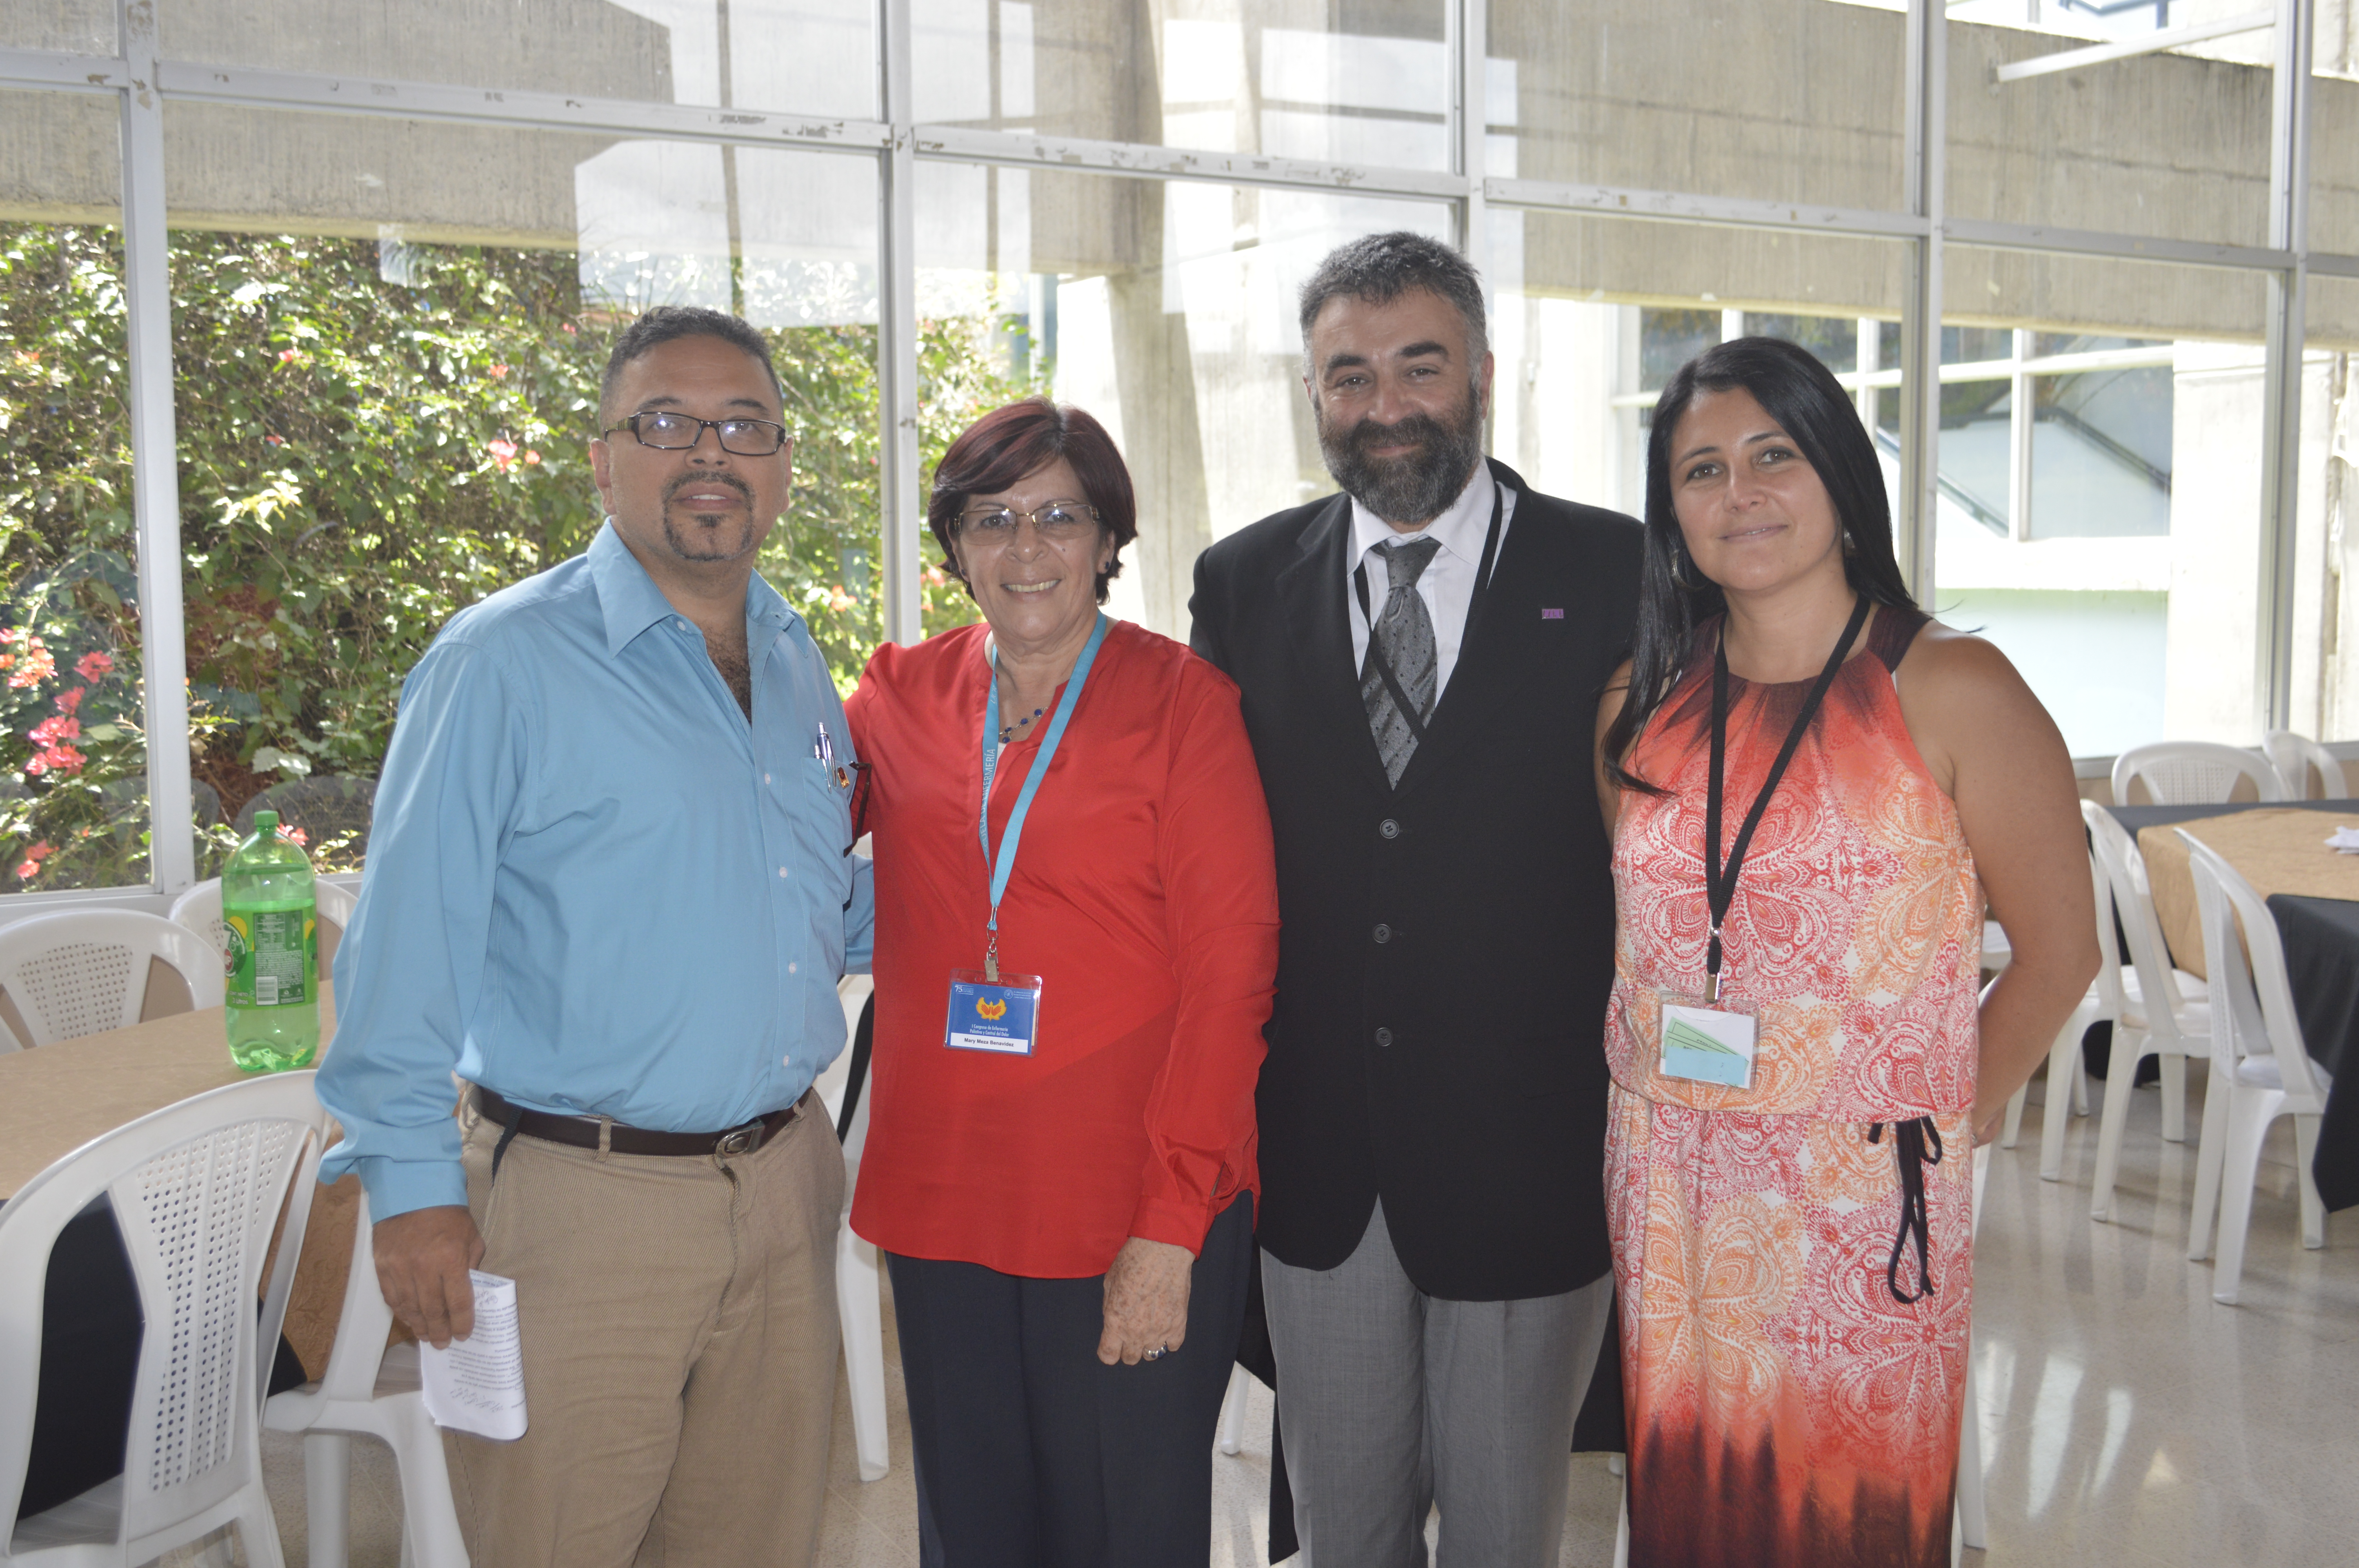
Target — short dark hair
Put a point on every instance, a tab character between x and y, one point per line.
1023	438
1380	268
1797	391
659	324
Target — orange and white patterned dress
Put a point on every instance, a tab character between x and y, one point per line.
1784	1407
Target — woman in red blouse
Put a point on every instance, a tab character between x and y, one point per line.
1065	1204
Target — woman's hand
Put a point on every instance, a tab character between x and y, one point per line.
1146	1301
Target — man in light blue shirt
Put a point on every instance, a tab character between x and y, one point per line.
610	887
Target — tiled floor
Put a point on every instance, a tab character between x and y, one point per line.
2127	1418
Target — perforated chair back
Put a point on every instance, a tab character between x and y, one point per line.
2192	773
2294	755
2257	1017
198	1189
86	972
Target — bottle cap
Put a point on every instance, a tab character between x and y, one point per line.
265	824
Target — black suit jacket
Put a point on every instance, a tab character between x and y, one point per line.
1448	945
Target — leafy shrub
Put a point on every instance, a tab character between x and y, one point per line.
360	457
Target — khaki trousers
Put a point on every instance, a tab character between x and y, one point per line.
681	1338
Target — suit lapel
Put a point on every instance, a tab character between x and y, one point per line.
1501	625
1310	591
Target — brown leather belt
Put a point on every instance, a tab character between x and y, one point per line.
586	1132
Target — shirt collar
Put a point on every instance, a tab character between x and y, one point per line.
1460	529
631	602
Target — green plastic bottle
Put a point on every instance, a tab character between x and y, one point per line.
270	925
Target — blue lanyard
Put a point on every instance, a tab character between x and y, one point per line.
1005	864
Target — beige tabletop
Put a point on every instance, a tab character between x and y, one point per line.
55	1098
2276	850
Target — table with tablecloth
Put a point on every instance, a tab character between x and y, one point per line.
54	1099
2312	893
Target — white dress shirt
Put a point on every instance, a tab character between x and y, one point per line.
1447	584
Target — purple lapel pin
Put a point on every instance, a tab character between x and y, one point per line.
1551	614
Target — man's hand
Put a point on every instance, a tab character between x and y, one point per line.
1146	1301
422	1259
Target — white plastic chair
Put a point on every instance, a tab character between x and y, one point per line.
1232	1428
197	1189
858	1298
86	972
2260	1071
2192	773
369	1390
2068	1084
200	909
2166	1012
2293	756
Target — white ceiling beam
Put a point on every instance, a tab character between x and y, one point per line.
2130	48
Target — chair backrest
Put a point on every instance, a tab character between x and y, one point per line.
2294	755
2252	1000
2125	886
86	972
2192	773
200	909
197	1188
2110	996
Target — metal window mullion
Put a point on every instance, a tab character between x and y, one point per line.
2019	440
1920	307
2281	408
155	470
897	349
1469	120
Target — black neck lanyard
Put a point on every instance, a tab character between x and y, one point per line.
1383	666
1719	881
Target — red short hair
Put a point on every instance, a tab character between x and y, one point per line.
1009	443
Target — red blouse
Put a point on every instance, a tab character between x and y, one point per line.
1145	896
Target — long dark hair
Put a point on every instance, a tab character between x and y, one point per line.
1802	396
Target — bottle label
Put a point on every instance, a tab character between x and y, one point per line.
269	956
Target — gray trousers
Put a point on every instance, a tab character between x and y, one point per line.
1391	1400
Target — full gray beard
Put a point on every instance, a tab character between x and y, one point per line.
1407	491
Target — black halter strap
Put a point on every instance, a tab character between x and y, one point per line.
1917	1143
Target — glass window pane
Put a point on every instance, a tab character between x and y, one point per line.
1133	299
2100	524
1781	100
1357	84
2101	453
73	753
808	57
82	27
2325	693
1592	316
2334	137
2175	143
390	359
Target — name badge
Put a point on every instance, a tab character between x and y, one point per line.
1705	1043
998	1016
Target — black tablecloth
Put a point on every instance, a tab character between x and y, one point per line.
2321	949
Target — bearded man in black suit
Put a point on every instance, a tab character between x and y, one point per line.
1420	658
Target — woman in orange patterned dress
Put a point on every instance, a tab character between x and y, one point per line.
1793	1233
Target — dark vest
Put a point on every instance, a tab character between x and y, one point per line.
1448	945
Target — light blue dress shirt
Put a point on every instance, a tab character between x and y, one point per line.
593	887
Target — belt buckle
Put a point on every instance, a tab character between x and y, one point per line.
744	1140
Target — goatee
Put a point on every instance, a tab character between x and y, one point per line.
1406	491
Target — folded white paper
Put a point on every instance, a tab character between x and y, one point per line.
2345	839
477	1385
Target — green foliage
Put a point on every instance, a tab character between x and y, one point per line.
359	459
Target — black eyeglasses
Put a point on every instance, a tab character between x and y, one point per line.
681	432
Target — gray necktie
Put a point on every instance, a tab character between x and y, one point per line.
1403	634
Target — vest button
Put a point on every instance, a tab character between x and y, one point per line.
1384	933
1388	829
1384	1036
